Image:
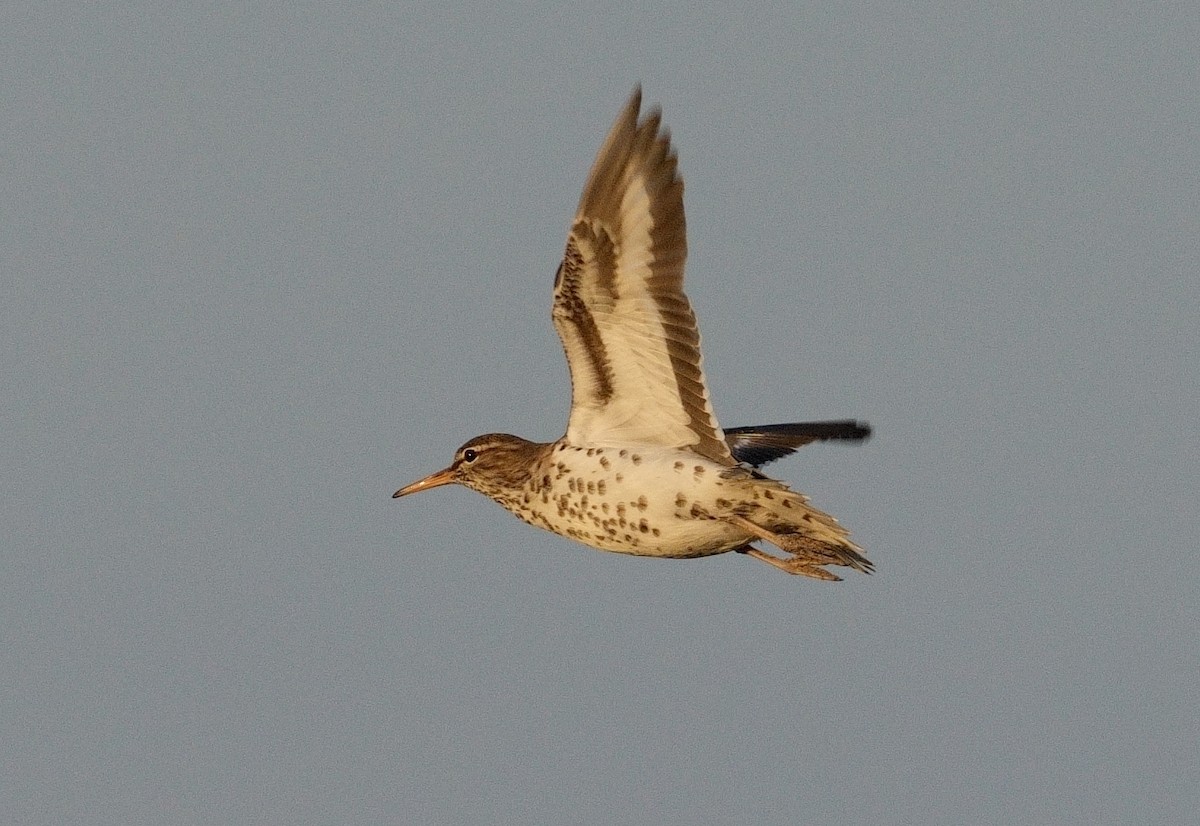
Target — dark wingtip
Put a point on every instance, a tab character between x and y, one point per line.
850	430
758	445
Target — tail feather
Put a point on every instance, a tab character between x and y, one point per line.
801	529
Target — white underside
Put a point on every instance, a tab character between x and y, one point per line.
665	505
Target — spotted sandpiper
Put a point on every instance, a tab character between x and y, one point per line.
644	468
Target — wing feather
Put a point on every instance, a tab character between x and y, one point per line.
760	444
629	333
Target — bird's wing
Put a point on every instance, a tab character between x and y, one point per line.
755	446
629	333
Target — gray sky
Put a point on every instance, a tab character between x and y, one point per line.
263	265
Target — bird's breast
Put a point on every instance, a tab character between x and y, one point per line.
651	502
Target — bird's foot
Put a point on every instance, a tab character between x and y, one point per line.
794	565
808	555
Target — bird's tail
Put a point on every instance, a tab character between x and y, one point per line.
790	521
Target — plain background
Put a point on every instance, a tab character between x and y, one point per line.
265	263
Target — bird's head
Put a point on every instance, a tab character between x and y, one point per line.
494	464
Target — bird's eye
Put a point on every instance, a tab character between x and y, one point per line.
470	455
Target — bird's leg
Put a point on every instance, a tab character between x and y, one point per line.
795	565
804	561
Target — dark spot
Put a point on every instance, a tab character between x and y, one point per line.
642	503
768	495
604	463
623	453
680	500
591	487
787	503
723	503
696	511
637	460
679	465
620	478
698	469
655	531
643	527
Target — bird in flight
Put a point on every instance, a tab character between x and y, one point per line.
644	468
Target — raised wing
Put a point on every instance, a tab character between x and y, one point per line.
755	446
629	333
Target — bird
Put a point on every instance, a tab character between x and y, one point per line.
644	468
